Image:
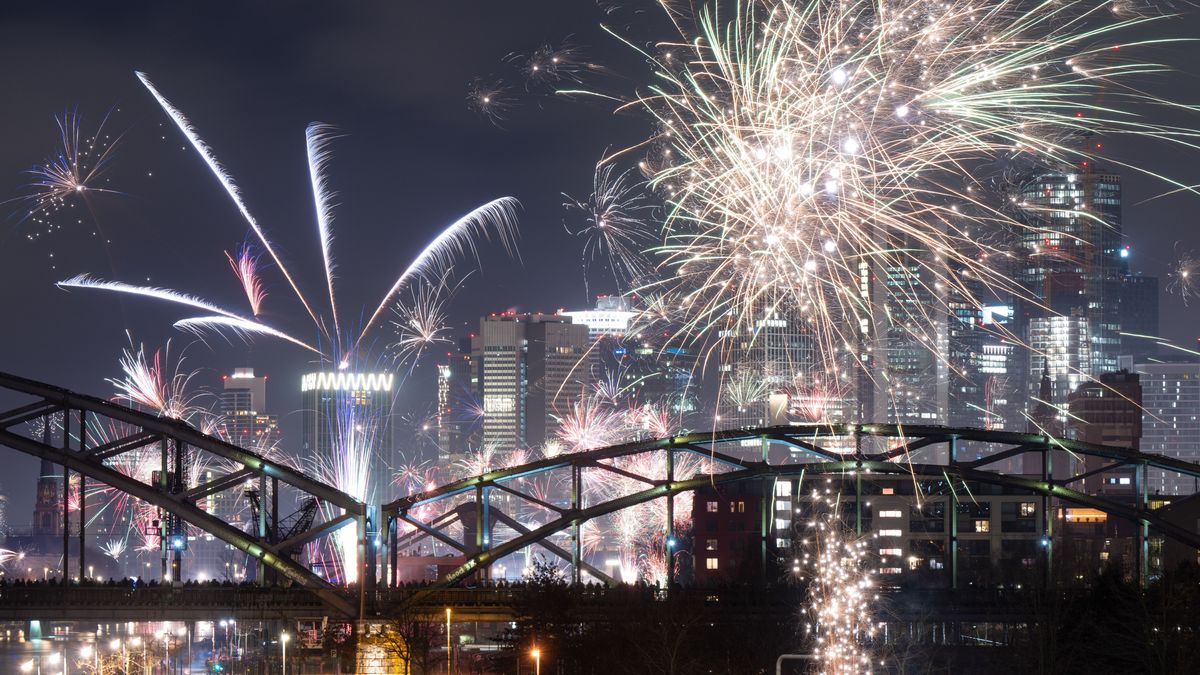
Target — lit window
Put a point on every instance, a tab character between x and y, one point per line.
741	507
1028	509
710	544
783	489
889	533
890	551
889	570
889	491
889	514
983	526
712	507
710	563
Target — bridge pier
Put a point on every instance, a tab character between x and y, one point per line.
375	650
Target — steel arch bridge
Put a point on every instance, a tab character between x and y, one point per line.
54	425
843	451
58	426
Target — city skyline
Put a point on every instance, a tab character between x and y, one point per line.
362	303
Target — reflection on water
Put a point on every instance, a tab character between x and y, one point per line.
73	648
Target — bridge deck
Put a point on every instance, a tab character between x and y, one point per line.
250	603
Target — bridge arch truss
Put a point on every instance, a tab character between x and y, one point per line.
811	451
58	426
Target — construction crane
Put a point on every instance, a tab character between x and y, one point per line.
288	527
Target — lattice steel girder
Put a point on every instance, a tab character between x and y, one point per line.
840	469
145	428
181	431
804	435
179	505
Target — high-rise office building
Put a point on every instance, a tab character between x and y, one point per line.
1137	306
458	410
1073	266
244	420
766	364
1171	421
1107	412
530	369
608	326
347	426
648	364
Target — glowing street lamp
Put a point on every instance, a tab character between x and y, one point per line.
137	640
537	659
449	652
120	644
283	640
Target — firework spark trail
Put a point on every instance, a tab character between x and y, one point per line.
245	268
459	238
201	326
614	224
317	138
802	145
226	180
840	588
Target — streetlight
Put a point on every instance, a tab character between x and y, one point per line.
88	651
137	640
537	659
449	652
120	644
283	640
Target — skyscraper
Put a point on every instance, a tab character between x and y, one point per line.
530	368
646	363
1137	306
456	417
244	419
1171	421
347	429
607	326
1072	265
774	358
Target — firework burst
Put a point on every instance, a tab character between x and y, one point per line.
1185	276
420	319
552	64
495	218
156	382
803	148
75	171
612	223
490	99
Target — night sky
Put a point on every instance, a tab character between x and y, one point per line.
393	77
